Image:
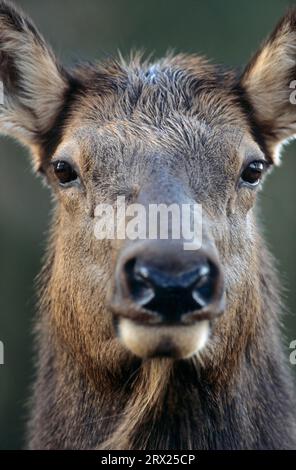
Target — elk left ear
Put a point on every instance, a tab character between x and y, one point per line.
269	82
34	84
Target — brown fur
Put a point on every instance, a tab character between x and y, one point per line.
126	125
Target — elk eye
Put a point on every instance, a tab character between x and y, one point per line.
253	173
64	172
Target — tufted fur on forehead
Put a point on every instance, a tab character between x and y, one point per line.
173	102
155	94
180	83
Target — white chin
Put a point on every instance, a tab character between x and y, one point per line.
171	341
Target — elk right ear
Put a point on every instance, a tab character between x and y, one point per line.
270	82
34	85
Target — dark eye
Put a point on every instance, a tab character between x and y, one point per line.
253	173
64	171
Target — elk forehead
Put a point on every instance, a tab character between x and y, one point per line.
178	106
123	153
181	85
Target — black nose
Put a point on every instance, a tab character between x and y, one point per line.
171	290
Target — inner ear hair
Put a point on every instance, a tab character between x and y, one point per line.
267	83
34	83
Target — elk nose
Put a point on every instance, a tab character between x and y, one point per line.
173	292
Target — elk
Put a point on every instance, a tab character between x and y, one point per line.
141	344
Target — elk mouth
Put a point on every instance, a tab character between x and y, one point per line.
179	334
175	341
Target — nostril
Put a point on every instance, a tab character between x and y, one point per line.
140	288
205	287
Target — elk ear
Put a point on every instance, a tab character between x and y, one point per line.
33	83
269	81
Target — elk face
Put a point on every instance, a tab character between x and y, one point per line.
176	132
159	298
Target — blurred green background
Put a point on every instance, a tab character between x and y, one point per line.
227	31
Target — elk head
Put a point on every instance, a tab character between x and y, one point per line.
179	131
